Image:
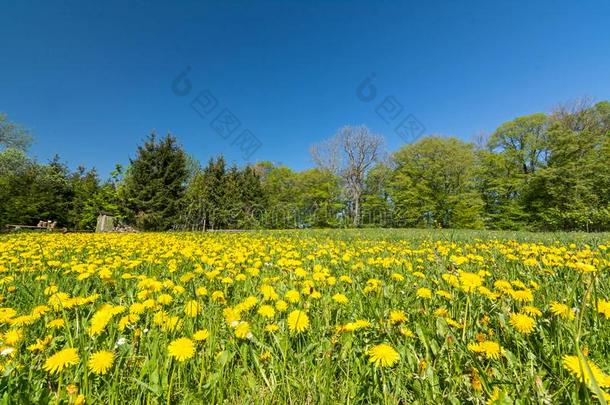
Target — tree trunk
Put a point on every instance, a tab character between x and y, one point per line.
356	211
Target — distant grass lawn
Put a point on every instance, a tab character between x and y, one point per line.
461	235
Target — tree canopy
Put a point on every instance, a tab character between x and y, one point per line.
536	172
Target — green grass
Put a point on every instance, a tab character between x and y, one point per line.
320	365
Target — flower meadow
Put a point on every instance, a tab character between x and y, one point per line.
303	317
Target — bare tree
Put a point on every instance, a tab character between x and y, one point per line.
349	154
13	135
326	154
480	140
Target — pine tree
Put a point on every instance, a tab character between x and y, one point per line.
154	184
214	192
253	200
232	214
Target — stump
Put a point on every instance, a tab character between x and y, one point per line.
105	223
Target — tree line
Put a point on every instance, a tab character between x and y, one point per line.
536	172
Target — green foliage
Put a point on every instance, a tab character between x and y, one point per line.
154	186
279	184
31	192
318	198
90	197
204	197
572	189
434	185
36	192
217	198
376	201
549	172
252	198
536	172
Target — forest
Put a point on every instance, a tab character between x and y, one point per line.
539	172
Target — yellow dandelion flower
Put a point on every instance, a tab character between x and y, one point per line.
271	328
40	310
181	349
72	389
165	299
522	295
561	310
586	267
298	321
292	296
40	344
495	396
218	296
171	324
249	303
340	299
201	335
266	311
603	307
523	323
353	326
137	308
488	293
192	308
469	281
476	380
441	312
530	262
452	322
445	294
242	330
406	331
383	355
12	337
397	317
585	372
99	320
231	315
490	349
531	311
503	286
281	305
100	362
269	293
424	293
61	360
56	323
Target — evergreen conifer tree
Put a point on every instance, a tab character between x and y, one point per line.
154	184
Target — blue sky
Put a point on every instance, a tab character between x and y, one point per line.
93	79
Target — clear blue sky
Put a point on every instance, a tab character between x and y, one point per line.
92	80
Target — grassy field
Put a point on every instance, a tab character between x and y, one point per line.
338	316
